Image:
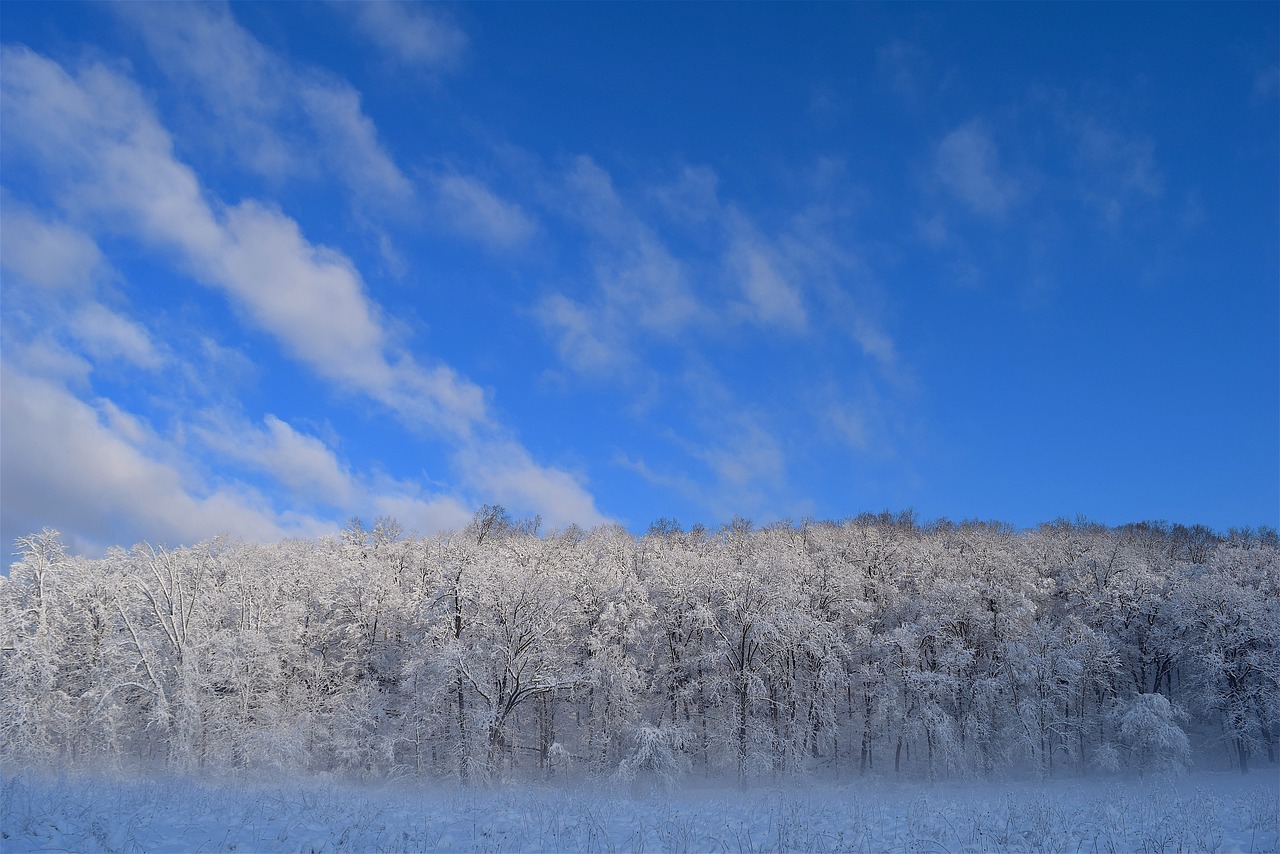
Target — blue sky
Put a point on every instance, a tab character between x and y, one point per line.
270	266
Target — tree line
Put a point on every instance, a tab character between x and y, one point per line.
874	645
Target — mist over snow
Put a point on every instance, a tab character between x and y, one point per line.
176	814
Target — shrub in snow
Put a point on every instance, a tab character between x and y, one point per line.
658	757
1107	758
1150	733
559	760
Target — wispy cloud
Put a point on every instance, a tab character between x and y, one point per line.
738	469
747	457
51	254
638	291
771	297
76	466
636	272
44	357
124	175
851	424
844	295
112	166
504	467
267	111
413	35
314	475
108	335
582	337
904	67
349	141
303	464
470	208
693	198
735	462
967	163
1116	171
731	277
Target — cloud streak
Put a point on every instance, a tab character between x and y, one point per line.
108	335
470	208
50	254
265	110
315	476
79	467
639	292
414	36
113	166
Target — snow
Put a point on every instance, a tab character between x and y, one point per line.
1198	812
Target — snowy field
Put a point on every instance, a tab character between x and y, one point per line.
1202	812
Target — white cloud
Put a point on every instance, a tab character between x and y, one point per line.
50	254
129	427
502	467
772	300
1117	171
44	357
107	335
639	290
637	275
262	105
240	84
582	337
302	463
112	163
413	35
351	141
311	298
79	468
443	513
495	467
470	208
314	475
96	137
968	165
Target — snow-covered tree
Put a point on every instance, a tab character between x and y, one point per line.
1151	735
873	645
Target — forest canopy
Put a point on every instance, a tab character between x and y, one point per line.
874	645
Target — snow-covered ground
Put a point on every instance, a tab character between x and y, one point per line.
1202	812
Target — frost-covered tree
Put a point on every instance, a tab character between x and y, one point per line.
1230	614
1150	734
875	645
